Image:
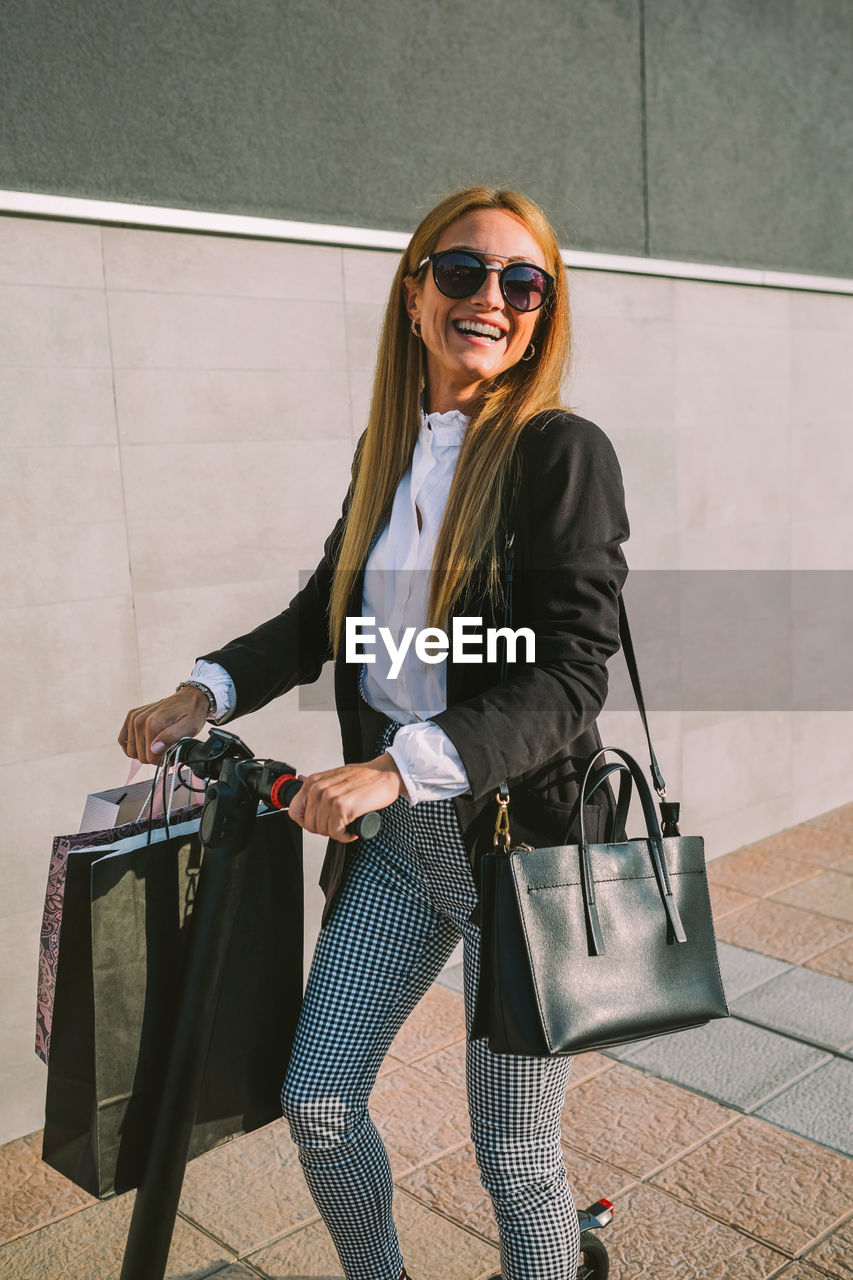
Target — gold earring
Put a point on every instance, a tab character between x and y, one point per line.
529	353
416	328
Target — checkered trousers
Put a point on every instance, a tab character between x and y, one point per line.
406	901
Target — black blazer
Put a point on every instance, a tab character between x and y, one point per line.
567	513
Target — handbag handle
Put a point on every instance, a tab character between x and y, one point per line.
616	826
655	845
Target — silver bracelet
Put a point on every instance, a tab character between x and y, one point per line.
196	684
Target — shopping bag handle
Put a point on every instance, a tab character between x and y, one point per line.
153	806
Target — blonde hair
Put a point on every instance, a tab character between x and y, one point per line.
484	472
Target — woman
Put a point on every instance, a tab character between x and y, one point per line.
466	452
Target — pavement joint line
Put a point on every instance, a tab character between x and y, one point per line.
736	1119
837	943
802	1075
804	1136
735	1106
205	1231
413	1062
811	912
620	1168
824	1271
282	1235
791	1035
415	1168
842	1055
780	1271
251	1268
791	964
818	1266
636	1178
417	1065
842	1221
771	897
253	1248
814	954
774	1246
441	1213
60	1217
771	893
726	1222
789	1255
792	1256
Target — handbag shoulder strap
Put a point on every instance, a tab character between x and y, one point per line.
669	808
631	662
509	569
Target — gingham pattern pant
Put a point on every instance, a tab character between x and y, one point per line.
406	900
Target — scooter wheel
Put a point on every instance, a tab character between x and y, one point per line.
593	1263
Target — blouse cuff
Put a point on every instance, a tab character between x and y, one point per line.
428	762
220	685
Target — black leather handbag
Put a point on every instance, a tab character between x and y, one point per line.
588	946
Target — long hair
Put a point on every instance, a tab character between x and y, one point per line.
484	472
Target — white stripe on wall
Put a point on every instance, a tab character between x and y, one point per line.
34	204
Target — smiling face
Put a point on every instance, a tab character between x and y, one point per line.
469	341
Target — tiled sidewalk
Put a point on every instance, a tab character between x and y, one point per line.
726	1150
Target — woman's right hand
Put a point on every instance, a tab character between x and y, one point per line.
147	731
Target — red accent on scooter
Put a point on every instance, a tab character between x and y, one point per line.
275	789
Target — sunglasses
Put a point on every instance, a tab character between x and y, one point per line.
459	273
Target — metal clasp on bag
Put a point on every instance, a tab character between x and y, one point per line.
502	820
502	832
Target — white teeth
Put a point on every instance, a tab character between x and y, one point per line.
475	326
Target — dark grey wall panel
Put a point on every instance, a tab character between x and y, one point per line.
363	112
750	132
356	113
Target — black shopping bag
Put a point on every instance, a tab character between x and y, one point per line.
126	837
125	924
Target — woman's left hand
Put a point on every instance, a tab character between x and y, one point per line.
327	801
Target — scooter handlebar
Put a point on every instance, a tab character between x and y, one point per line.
278	785
272	781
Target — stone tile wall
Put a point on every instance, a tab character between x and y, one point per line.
178	417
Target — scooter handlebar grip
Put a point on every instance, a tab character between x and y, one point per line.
365	827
